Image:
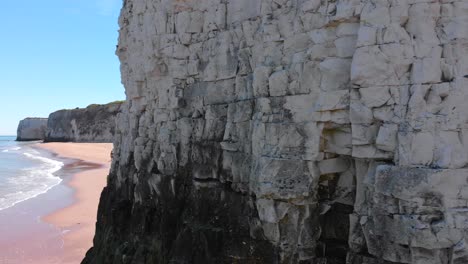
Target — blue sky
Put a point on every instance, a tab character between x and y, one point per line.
56	54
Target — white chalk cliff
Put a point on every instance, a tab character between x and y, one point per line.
289	131
95	123
31	128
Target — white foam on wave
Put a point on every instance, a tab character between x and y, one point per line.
11	149
32	182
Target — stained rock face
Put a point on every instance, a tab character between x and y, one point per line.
96	123
31	128
289	131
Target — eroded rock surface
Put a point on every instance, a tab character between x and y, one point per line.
289	131
31	128
95	123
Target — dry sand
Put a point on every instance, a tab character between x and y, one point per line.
78	220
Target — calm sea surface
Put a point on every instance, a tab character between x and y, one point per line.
24	172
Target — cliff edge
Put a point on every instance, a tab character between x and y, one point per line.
31	128
289	131
95	123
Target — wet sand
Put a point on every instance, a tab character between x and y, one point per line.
78	220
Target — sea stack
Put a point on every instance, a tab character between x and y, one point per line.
279	132
31	128
95	123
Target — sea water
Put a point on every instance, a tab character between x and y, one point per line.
24	172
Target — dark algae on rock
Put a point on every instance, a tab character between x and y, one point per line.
289	131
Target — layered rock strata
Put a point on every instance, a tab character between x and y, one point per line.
95	123
289	131
31	128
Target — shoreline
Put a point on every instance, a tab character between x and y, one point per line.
57	227
89	169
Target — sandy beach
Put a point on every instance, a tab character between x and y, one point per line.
77	221
57	227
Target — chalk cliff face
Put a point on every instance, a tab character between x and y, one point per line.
96	123
31	128
289	131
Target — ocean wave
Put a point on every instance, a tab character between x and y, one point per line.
32	182
11	149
